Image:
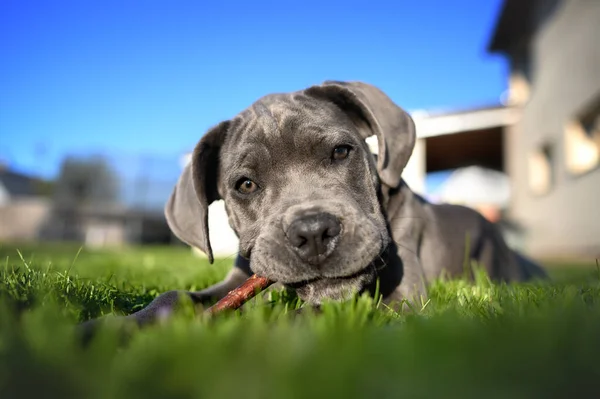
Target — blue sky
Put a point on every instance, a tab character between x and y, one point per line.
149	77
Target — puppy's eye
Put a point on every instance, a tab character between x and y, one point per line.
246	186
341	152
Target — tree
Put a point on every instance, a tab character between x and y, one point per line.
81	182
86	181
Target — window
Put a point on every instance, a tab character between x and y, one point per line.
541	170
582	140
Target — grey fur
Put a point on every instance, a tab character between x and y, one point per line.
284	142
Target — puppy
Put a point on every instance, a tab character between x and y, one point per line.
316	212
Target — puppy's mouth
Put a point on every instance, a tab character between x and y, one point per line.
369	270
340	287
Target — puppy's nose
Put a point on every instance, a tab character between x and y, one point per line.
314	237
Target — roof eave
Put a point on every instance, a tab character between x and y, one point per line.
513	19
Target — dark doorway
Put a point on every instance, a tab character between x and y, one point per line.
481	147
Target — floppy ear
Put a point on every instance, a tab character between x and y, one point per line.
186	210
374	113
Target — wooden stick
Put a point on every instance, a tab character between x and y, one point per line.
237	297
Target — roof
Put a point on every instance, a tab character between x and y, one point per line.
464	120
17	184
515	20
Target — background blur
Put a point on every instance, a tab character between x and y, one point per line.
101	103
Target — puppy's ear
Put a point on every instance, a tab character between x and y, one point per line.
374	113
187	208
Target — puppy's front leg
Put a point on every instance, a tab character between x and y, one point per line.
165	304
412	288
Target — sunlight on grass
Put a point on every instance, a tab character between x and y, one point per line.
469	339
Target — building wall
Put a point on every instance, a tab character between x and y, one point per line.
414	173
21	219
4	197
223	241
564	62
100	232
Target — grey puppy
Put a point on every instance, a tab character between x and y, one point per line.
315	211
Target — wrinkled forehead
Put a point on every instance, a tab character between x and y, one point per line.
285	123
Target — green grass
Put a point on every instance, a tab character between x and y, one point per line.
474	339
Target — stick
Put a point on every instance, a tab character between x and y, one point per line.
237	297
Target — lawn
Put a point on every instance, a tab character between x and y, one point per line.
470	340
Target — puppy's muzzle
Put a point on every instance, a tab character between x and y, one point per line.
314	237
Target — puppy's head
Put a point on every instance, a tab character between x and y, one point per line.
301	189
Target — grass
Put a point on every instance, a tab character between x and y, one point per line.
471	339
